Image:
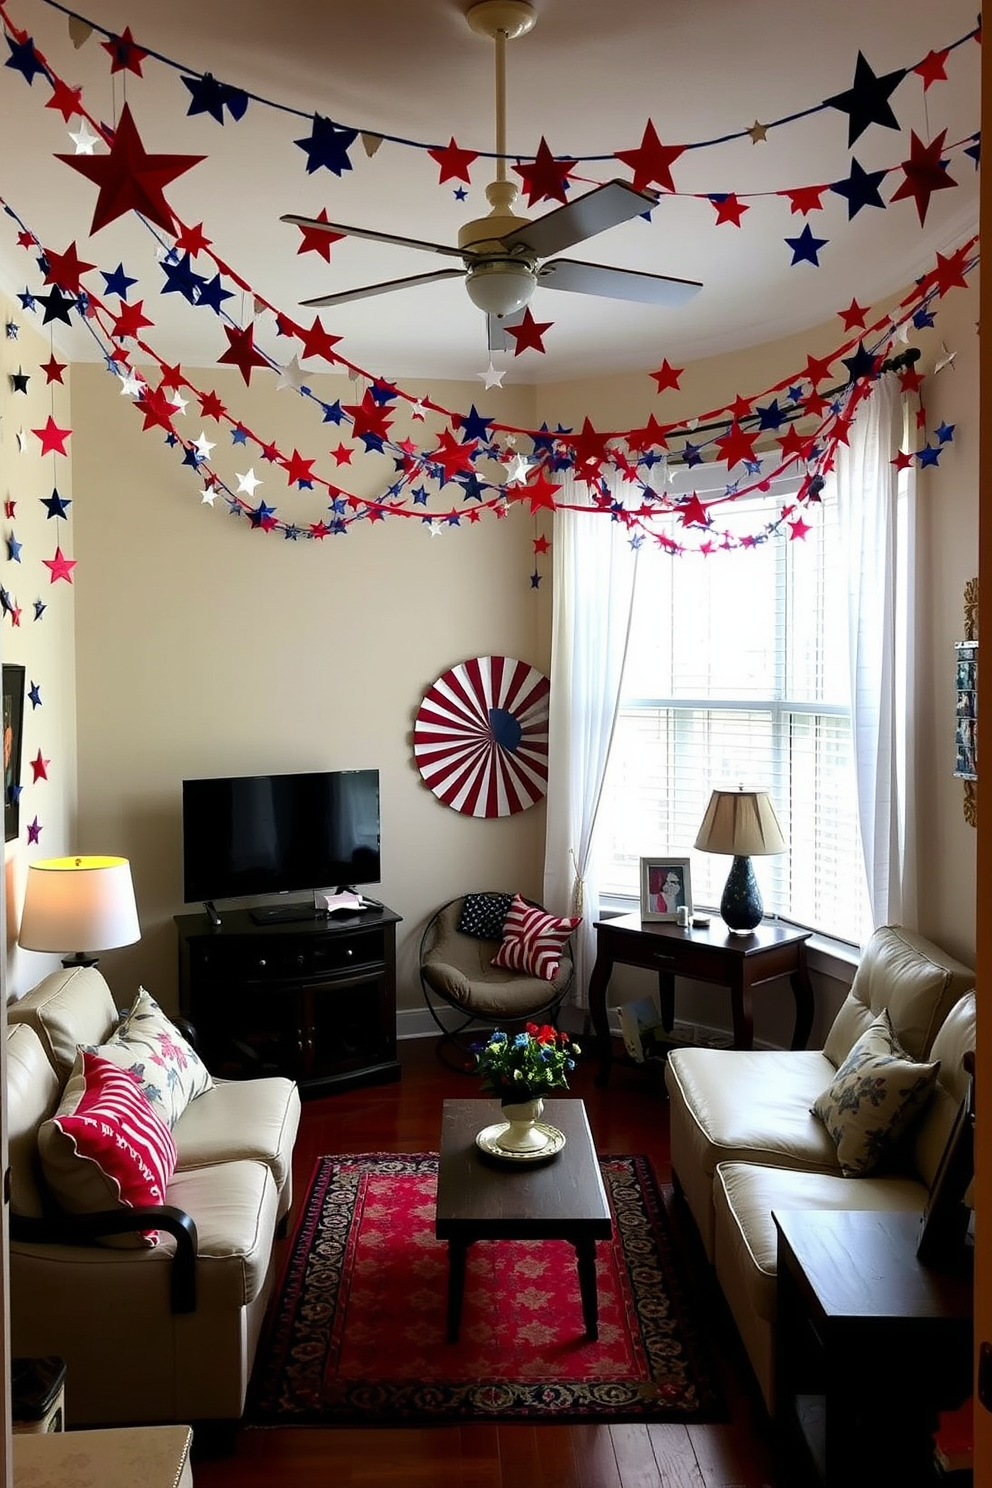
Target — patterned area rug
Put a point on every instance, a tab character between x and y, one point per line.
358	1330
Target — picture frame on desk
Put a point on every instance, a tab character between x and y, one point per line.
666	887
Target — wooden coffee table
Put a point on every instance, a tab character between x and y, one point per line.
479	1198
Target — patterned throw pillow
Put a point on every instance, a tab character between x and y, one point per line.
151	1048
105	1147
483	915
533	941
872	1097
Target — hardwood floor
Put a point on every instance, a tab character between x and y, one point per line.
630	1116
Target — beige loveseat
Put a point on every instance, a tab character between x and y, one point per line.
745	1141
162	1333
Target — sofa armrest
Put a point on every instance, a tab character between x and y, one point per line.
82	1229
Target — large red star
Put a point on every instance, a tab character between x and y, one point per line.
52	437
241	351
528	333
854	315
589	450
454	458
60	566
453	161
651	161
545	178
297	468
924	173
667	376
317	239
736	445
124	52
540	492
129	177
131	320
319	343
157	408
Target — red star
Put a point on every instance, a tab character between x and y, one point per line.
540	492
931	69
342	454
173	377
541	544
128	177
15	614
65	269
798	529
191	240
589	451
318	343
241	351
910	380
158	409
65	99
316	240
546	179
368	417
131	319
814	404
805	199
453	161
854	315
949	273
651	161
667	376
794	445
60	567
740	408
10	509
53	370
40	767
651	433
52	437
902	460
124	53
297	469
924	173
817	369
211	406
693	512
25	239
319	530
736	445
528	333
454	458
729	209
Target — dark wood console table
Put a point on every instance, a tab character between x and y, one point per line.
710	954
313	999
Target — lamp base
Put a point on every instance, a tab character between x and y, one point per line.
741	907
79	958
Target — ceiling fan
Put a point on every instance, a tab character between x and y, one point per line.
506	256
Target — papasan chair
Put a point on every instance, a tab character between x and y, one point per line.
457	950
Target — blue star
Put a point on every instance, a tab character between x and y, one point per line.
337	505
922	319
192	457
460	193
945	432
752	467
928	455
290	532
327	146
118	282
23	58
471	485
213	293
692	454
974	151
861	364
382	392
5	604
535	580
651	458
372	442
474	426
39	608
239	435
182	279
34	693
453	519
208	96
805	248
261	513
57	505
14	548
11	329
26	299
419	496
794	393
771	416
860	189
333	412
57	305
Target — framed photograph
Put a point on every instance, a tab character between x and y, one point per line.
665	888
13	723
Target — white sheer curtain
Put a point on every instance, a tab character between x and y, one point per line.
877	507
594	568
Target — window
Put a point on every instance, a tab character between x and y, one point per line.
736	674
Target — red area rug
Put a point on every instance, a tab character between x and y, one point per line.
358	1329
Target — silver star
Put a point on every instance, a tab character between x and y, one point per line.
131	385
207	495
291	376
248	482
84	139
434	527
203	446
946	359
516	471
491	378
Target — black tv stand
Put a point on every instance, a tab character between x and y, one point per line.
282	914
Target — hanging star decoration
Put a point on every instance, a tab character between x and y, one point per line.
867	100
545	178
39	767
129	178
924	173
652	161
327	146
317	239
242	352
453	162
528	333
59	567
52	437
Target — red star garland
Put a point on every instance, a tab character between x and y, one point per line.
924	173
39	767
542	493
729	209
130	178
667	376
541	544
454	162
805	199
52	437
652	433
316	342
191	240
817	369
124	53
736	445
453	457
10	510
158	409
211	406
651	162
316	240
131	320
297	468
798	529
528	333
693	513
241	351
854	316
589	451
931	69
66	269
545	178
60	567
368	418
67	100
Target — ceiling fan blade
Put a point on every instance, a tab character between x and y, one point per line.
605	206
367	290
366	232
496	327
616	284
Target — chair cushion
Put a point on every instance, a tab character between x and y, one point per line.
872	1098
69	1007
533	941
483	915
105	1147
151	1048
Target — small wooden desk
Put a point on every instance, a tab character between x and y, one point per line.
712	954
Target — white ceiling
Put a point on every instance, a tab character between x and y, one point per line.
587	78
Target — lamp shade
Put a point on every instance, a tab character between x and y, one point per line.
86	903
741	823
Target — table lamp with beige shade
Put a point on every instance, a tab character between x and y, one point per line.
741	823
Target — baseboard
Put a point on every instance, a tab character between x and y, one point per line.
414	1023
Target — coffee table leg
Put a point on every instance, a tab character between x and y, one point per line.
585	1254
457	1251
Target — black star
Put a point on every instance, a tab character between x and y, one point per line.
19	381
860	189
57	305
861	364
867	100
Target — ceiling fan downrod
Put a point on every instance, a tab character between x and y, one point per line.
501	21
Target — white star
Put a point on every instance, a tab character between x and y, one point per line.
177	401
248	482
434	528
946	359
491	378
692	423
84	139
516	471
291	376
417	410
902	332
131	385
203	446
207	495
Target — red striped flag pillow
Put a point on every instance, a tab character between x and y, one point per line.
106	1147
533	940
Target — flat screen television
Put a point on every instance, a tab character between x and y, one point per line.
250	835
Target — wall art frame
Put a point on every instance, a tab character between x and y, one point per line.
13	729
666	887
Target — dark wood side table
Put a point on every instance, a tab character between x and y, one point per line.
869	1347
710	954
478	1199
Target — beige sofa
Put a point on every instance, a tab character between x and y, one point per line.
160	1334
745	1141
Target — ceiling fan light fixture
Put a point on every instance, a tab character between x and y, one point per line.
501	287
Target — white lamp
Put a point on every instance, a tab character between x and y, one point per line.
86	902
742	824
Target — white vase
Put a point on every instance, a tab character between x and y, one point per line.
523	1134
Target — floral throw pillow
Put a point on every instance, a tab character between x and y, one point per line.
167	1068
872	1097
483	915
533	941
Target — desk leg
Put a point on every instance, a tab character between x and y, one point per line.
457	1251
598	983
743	1013
585	1255
666	999
802	990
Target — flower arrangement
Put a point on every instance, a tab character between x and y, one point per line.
528	1065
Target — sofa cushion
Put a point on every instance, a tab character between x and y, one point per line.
70	1007
483	915
873	1097
533	941
930	1134
254	1119
105	1147
912	978
234	1207
150	1047
33	1095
